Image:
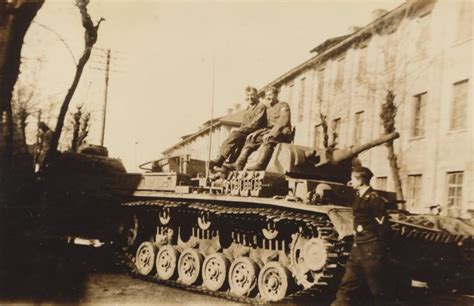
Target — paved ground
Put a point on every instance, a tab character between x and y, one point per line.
54	274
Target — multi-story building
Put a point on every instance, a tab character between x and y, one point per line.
200	145
422	53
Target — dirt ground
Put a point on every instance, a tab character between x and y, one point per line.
51	273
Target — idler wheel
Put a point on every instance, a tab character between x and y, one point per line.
166	262
243	276
214	271
189	266
145	259
273	281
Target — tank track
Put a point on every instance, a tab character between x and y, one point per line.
416	230
410	229
326	284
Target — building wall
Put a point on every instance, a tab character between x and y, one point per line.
198	147
427	53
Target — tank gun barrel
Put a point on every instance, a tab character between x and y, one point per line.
350	152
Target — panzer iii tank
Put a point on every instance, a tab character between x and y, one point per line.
251	235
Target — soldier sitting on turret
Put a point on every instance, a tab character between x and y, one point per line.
278	129
254	119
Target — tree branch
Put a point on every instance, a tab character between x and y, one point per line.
90	38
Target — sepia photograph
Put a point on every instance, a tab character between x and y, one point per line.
237	152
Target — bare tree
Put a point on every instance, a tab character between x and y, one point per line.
324	125
90	38
80	127
388	112
389	79
15	19
23	107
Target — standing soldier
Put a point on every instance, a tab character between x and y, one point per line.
44	142
367	264
254	119
278	129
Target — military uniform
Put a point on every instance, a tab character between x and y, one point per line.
254	119
46	137
367	265
278	119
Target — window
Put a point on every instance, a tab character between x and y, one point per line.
459	106
361	65
464	21
419	115
424	35
290	94
336	130
320	85
318	140
454	203
381	183
414	190
301	100
340	73
359	117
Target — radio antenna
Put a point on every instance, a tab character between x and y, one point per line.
212	112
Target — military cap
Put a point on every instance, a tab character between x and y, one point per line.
251	89
272	89
363	172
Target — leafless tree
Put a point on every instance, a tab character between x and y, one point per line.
15	19
390	79
90	38
80	127
324	125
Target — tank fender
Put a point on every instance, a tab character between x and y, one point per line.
342	220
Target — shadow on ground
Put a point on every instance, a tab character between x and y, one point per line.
36	272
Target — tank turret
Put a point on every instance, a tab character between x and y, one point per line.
298	171
319	163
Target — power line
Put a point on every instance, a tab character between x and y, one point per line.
59	37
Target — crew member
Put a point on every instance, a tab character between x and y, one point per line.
254	119
367	265
278	129
43	145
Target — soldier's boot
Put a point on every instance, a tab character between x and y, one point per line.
262	160
217	162
242	159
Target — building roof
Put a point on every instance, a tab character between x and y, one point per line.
337	45
233	120
327	44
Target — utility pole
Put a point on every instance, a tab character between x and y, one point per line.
104	112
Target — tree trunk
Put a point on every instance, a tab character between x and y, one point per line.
15	19
76	126
392	157
388	113
90	40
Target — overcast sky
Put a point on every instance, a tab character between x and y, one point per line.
162	52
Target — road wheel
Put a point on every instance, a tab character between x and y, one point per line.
273	282
166	262
243	276
145	258
214	271
189	266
